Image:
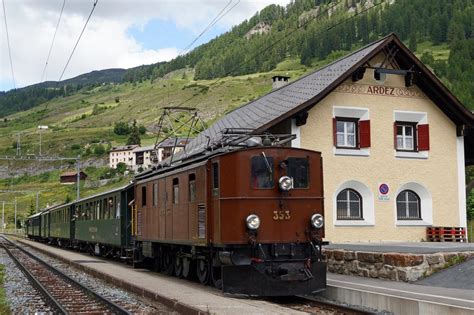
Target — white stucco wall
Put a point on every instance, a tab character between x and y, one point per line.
438	172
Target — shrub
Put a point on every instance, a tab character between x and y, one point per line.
121	128
142	130
121	167
99	150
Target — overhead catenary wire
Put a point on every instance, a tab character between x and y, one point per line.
52	43
218	17
77	42
287	35
8	43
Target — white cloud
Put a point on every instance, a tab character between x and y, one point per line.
105	43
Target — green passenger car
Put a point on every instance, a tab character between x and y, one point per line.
60	224
33	226
102	222
44	231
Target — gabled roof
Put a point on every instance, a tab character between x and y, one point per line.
300	95
124	148
144	149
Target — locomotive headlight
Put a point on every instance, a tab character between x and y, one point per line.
317	220
286	183
253	222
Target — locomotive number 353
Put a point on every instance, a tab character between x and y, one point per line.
281	215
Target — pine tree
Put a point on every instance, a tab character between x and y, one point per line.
134	137
412	42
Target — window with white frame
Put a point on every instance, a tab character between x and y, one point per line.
346	133
349	205
406	136
411	134
408	205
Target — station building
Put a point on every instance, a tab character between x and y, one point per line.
391	135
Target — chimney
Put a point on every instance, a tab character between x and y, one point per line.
279	81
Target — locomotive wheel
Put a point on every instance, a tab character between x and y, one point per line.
178	267
187	268
167	263
203	271
157	264
217	277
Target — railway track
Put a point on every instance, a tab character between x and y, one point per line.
62	293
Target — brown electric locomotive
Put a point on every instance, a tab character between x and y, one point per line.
250	221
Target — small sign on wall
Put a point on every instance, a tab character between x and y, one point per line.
384	191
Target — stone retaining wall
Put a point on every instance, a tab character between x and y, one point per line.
392	266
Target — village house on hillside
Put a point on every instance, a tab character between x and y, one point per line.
137	158
392	138
71	177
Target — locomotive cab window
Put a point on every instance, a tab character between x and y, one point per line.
192	187
143	196
215	178
262	172
155	194
298	169
175	190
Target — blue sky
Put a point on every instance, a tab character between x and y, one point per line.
120	34
158	34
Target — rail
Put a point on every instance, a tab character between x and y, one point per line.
53	301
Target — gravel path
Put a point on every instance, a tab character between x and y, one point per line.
18	290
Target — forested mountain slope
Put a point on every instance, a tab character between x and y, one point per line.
307	31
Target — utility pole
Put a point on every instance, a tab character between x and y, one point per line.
41	127
15	215
37	201
78	170
3	212
18	144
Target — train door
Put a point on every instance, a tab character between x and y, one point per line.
128	212
72	221
162	203
213	219
169	207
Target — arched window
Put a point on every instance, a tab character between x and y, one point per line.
408	205
349	205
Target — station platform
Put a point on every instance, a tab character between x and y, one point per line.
382	295
406	247
395	277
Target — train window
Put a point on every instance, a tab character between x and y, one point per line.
175	190
262	172
192	187
215	178
155	194
143	196
117	214
298	169
110	209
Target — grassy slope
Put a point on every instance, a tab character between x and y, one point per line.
142	102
